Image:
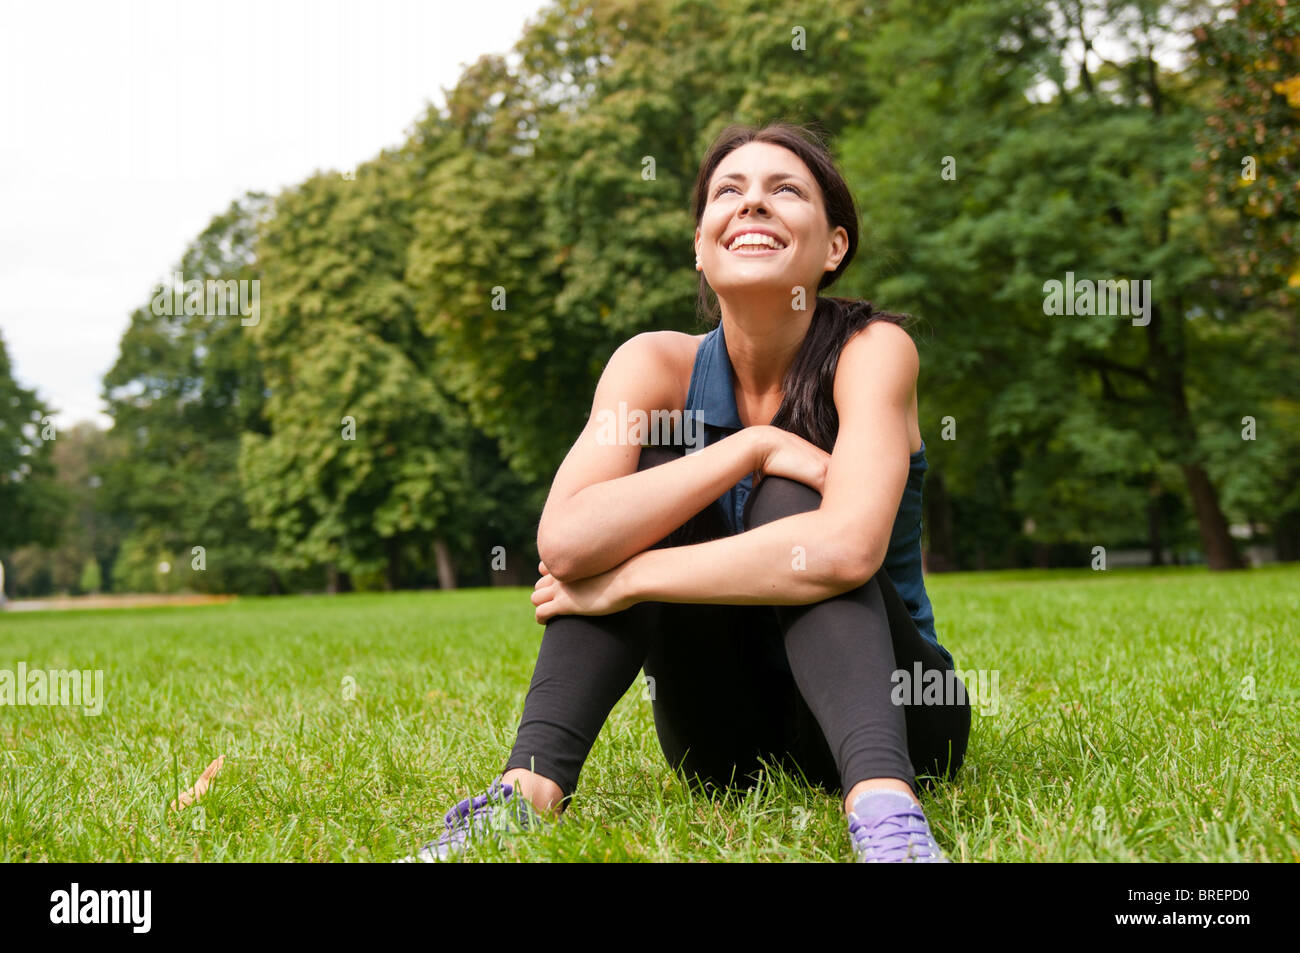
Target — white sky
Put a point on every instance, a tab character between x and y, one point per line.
125	125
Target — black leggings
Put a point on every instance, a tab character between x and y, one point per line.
721	700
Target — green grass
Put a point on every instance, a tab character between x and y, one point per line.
1121	731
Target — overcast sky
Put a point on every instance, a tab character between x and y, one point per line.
125	125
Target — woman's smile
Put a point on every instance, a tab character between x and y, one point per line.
757	251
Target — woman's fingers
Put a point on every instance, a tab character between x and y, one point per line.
545	609
551	600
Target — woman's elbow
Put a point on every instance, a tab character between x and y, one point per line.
856	566
556	554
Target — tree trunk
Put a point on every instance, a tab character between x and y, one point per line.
336	581
446	571
1042	556
1286	536
941	555
512	574
1220	550
392	572
1166	350
1154	541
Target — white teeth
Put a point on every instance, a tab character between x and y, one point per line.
754	238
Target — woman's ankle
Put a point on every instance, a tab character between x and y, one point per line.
543	793
877	784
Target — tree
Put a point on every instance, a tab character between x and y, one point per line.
556	223
32	505
91	578
364	466
87	533
1249	151
1090	176
186	384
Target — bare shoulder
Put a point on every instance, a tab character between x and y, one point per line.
879	366
884	346
663	360
880	359
670	346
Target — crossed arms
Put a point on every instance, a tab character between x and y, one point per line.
602	515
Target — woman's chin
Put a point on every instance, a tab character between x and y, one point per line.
749	277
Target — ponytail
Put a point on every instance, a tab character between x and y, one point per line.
808	408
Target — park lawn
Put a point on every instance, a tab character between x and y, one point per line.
1141	715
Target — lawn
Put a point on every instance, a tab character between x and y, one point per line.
1141	715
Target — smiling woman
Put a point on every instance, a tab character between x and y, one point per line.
767	579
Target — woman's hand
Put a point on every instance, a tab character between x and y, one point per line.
784	454
595	595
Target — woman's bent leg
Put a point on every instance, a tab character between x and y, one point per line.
937	733
843	653
585	664
720	705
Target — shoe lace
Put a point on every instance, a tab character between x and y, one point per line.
478	809
896	835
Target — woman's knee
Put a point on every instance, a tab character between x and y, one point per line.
653	455
703	526
777	497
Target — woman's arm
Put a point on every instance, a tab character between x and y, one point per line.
600	510
803	558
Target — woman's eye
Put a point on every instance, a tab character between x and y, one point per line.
784	185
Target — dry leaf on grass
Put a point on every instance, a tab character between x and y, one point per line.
200	786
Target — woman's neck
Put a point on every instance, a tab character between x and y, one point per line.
761	347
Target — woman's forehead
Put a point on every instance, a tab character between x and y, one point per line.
760	158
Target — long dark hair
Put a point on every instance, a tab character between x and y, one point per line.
808	404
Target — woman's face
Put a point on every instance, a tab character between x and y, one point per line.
767	188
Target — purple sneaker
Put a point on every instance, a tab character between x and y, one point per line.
488	816
888	827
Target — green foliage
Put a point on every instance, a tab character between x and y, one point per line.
29	501
91	577
1250	144
545	240
368	461
86	529
1058	168
1249	151
140	563
184	389
431	328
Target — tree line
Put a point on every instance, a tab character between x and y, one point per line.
430	325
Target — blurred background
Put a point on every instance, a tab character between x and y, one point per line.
428	229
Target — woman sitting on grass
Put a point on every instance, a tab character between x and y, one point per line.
769	583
